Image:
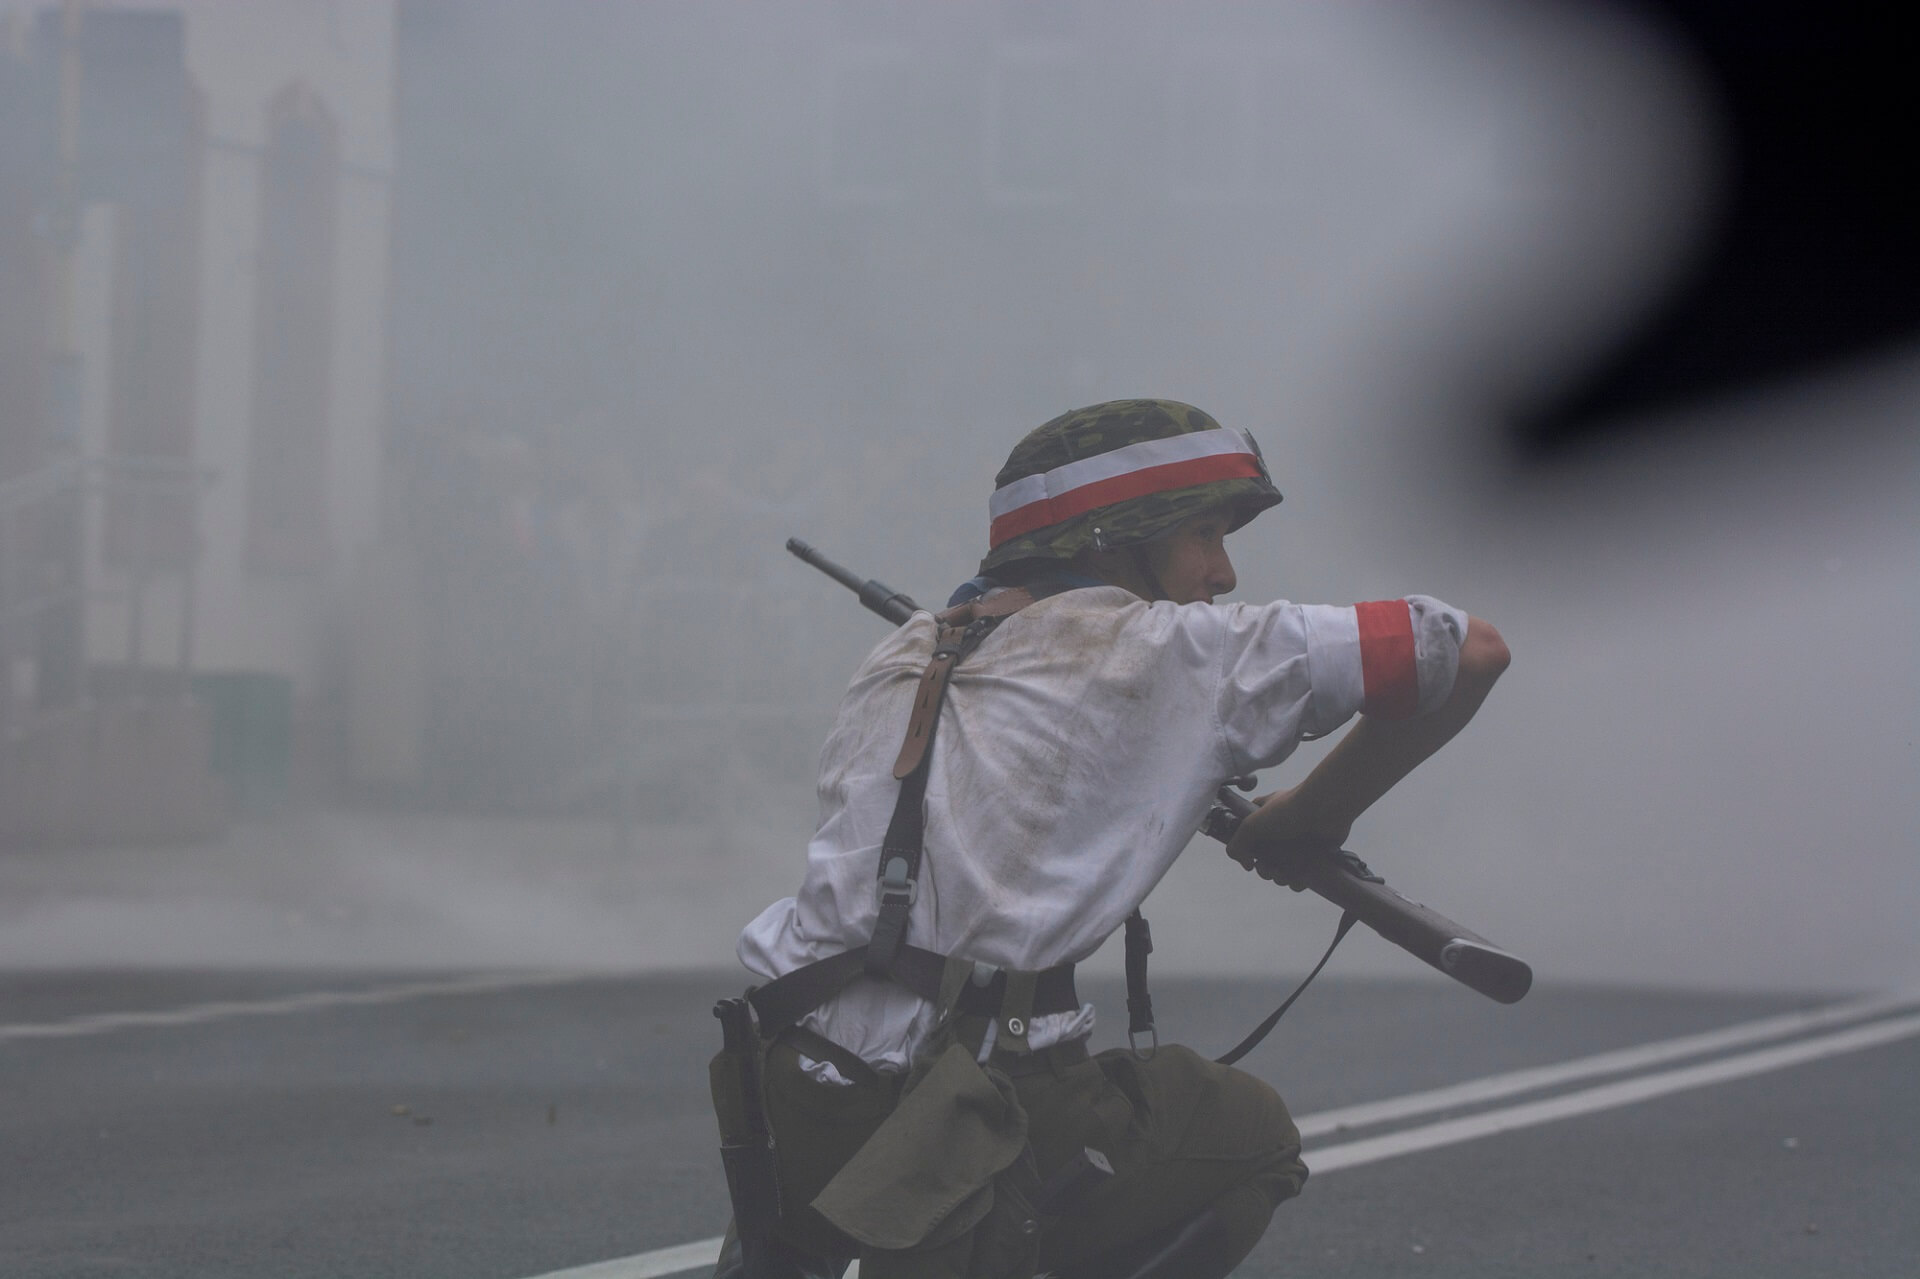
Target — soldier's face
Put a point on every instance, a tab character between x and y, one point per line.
1191	561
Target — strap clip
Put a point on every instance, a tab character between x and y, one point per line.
895	888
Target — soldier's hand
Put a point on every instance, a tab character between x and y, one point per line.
1281	841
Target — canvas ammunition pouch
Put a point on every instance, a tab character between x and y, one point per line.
945	1184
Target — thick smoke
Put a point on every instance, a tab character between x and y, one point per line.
672	282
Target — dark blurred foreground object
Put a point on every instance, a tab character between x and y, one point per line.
1342	879
746	1144
1814	260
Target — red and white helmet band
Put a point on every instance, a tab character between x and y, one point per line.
1134	470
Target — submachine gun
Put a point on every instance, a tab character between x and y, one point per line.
1336	875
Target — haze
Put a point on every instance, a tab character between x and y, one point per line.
678	281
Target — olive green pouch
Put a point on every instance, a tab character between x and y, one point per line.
895	1194
943	1189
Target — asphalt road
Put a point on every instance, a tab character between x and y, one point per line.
212	1124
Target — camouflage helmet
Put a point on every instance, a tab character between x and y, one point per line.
1119	473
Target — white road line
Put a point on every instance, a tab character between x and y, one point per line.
1618	1062
1608	1096
700	1254
306	1001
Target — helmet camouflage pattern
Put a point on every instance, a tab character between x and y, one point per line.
1117	474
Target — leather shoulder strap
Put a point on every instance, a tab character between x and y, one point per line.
951	643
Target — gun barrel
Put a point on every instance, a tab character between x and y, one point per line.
839	573
875	596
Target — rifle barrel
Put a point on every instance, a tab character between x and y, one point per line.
875	596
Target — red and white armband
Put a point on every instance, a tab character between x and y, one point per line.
1409	654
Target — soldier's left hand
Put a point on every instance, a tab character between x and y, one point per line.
1281	842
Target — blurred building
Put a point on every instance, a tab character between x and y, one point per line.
194	205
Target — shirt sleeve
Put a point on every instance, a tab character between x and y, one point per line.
1302	670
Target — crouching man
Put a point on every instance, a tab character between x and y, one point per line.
1004	784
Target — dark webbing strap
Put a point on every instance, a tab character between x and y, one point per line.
1245	1046
783	1002
958	631
899	884
905	841
1139	940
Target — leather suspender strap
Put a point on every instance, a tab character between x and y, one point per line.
959	632
928	699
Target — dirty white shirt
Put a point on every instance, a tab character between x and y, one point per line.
1078	751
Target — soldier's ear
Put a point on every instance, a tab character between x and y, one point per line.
1116	566
1101	564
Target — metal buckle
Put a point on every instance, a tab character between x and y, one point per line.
894	885
1134	1047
